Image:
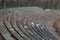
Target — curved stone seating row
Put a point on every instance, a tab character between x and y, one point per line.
24	28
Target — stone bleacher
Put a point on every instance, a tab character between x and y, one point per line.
26	23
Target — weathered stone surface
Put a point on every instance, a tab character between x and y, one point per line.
25	23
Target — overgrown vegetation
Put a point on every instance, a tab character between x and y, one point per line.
52	4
